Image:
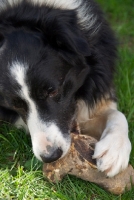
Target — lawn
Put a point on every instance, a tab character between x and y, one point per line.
21	174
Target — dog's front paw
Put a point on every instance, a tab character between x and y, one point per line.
112	153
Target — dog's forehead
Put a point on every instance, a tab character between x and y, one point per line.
34	78
23	45
33	48
26	57
18	36
36	56
20	46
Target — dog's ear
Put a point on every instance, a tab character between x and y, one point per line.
64	33
74	80
1	39
70	41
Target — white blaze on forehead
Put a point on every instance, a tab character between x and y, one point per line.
43	134
18	71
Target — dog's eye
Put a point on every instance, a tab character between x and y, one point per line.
52	93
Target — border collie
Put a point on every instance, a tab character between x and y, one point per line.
57	61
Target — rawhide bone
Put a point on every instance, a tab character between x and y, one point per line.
79	162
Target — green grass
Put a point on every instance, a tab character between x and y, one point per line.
21	174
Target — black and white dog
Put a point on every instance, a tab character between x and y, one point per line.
57	59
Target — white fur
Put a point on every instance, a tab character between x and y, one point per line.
113	150
82	112
20	123
42	133
85	114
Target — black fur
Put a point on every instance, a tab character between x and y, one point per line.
61	30
61	54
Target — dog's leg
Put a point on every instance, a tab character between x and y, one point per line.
109	125
113	150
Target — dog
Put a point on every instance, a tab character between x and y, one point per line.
57	63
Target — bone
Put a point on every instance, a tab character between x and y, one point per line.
79	162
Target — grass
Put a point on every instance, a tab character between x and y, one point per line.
21	174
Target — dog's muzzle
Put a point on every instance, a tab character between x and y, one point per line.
52	156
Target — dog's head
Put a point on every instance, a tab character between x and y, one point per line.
41	71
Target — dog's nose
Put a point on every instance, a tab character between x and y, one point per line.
52	157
